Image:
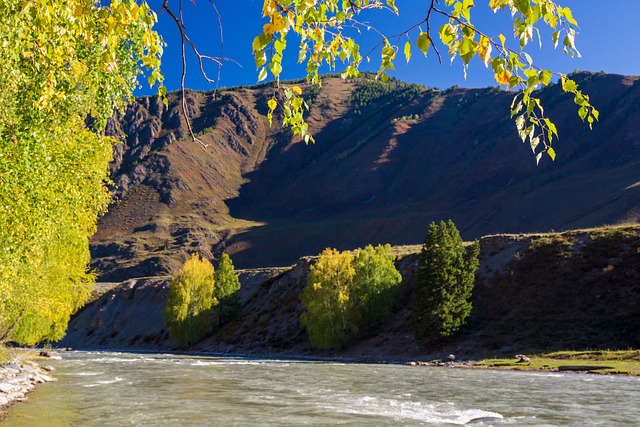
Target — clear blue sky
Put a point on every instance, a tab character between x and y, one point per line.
608	41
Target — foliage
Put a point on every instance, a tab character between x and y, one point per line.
444	282
328	316
382	94
324	28
66	66
190	302
347	292
227	288
376	283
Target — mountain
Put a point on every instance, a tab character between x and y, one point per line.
388	159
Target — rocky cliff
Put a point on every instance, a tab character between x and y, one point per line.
545	292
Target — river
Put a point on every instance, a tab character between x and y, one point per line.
120	389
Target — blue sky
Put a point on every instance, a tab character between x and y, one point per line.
608	41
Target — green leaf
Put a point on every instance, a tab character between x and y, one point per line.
545	77
552	153
569	85
407	50
423	43
260	42
569	16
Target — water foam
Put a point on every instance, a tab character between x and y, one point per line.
104	382
399	410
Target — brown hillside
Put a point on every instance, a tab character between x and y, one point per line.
388	160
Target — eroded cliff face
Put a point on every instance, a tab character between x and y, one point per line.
130	316
540	292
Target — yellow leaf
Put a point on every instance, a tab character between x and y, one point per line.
269	8
484	50
276	25
297	90
503	77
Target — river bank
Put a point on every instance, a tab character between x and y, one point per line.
18	377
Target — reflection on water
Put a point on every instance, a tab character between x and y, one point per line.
113	389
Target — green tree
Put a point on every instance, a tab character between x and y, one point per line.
375	284
190	302
226	291
444	283
347	292
328	316
65	66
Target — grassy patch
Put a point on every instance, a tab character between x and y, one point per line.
625	362
8	354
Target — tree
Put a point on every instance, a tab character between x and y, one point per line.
328	315
375	283
328	31
65	66
226	291
190	302
444	283
347	292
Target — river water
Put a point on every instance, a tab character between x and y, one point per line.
119	389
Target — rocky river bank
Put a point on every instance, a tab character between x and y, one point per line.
18	378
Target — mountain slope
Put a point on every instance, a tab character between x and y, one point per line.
389	159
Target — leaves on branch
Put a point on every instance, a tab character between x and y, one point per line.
323	27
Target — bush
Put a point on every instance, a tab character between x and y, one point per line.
444	282
190	301
347	292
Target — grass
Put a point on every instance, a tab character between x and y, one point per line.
8	354
622	362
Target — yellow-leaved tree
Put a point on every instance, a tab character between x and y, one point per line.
347	292
66	64
190	302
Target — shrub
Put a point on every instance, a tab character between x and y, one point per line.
444	282
190	301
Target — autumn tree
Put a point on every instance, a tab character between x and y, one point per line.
190	302
347	292
444	283
226	290
65	66
328	315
